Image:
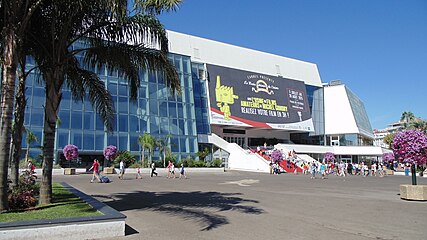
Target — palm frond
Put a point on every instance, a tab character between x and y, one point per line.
156	6
81	81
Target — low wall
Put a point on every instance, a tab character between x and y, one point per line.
111	224
60	171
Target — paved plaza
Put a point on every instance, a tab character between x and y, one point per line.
242	205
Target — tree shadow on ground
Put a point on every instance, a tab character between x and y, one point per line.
200	206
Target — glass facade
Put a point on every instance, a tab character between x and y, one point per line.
359	113
155	111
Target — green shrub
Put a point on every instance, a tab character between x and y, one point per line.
24	194
128	158
216	163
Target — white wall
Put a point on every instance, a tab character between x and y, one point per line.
227	55
338	114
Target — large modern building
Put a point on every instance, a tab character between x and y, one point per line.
233	98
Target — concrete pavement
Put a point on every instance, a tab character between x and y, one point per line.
243	205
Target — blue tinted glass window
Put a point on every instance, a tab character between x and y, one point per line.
172	110
123	141
192	144
64	117
152	77
134	143
152	90
180	110
164	126
143	91
153	108
133	124
76	120
123	90
143	107
186	65
143	125
76	139
87	103
112	87
190	129
99	141
133	107
77	104
187	81
88	141
183	145
38	97
174	126
123	105
123	123
66	100
62	138
99	123
27	116
112	139
37	118
154	125
89	121
174	144
163	111
181	127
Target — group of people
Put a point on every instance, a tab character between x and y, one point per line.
343	169
170	168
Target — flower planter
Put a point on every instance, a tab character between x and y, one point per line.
69	171
413	192
388	172
109	170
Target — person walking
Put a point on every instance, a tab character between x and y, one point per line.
182	172
313	170
122	169
172	170
153	169
95	168
138	173
169	168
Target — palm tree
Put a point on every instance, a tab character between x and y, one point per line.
163	144
407	117
420	125
14	22
103	30
31	138
146	141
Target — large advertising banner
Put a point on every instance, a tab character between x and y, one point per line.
242	98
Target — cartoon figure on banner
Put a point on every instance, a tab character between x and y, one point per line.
224	97
262	86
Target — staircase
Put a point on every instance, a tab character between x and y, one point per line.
239	158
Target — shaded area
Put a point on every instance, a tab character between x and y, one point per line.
203	207
129	230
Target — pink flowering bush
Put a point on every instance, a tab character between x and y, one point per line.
110	152
276	155
410	146
329	157
71	152
388	157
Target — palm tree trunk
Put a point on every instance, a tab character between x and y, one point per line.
164	157
20	103
53	95
8	92
142	156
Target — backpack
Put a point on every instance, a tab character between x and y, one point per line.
105	179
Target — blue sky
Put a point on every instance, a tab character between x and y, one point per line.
377	48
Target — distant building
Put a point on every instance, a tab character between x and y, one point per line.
379	134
